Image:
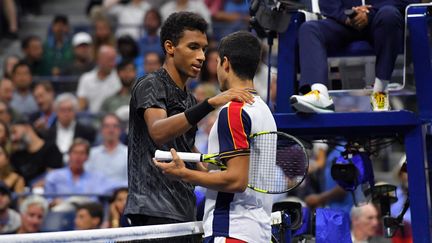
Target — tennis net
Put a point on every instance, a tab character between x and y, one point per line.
181	232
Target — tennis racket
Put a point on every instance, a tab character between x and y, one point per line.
278	162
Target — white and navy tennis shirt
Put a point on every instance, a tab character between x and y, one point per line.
244	216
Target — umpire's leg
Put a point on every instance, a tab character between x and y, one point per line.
387	38
315	38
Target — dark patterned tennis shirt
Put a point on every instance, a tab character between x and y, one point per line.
150	192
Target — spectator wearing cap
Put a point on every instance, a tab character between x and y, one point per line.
33	211
31	155
57	48
10	220
83	55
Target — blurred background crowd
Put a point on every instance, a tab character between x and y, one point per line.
67	68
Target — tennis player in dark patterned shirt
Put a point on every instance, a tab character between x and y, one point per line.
164	115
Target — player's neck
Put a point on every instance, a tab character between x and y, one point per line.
175	75
241	84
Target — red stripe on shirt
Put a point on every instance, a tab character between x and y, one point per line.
232	240
236	125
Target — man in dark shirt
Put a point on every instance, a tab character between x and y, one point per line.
32	156
164	115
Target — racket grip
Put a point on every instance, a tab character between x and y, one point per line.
188	157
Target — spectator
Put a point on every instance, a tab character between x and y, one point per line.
5	113
11	179
89	216
127	73
331	195
32	156
208	72
103	34
110	158
23	100
7	89
10	219
127	48
67	128
33	55
150	63
100	83
33	211
57	48
381	24
228	16
10	11
129	16
74	179
43	119
117	205
4	136
8	65
83	55
364	223
150	40
195	6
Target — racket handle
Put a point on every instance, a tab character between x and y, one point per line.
188	157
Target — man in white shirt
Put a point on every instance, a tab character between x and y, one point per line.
100	83
110	158
67	128
194	6
129	16
364	223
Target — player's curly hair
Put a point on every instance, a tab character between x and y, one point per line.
174	27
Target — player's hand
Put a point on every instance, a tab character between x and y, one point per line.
173	169
233	94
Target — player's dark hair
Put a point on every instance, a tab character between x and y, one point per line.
174	27
243	50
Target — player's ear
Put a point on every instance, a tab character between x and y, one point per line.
169	47
225	64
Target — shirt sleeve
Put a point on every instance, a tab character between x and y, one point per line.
234	129
82	89
333	9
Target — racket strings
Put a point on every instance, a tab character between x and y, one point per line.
278	163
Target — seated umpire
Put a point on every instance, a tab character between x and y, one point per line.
380	22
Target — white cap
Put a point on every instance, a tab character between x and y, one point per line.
81	38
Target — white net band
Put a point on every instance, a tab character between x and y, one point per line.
110	235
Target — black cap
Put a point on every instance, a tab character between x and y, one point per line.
4	189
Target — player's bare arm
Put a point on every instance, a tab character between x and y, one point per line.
233	179
163	129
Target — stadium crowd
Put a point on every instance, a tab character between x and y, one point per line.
64	109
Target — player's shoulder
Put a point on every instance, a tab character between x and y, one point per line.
149	82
